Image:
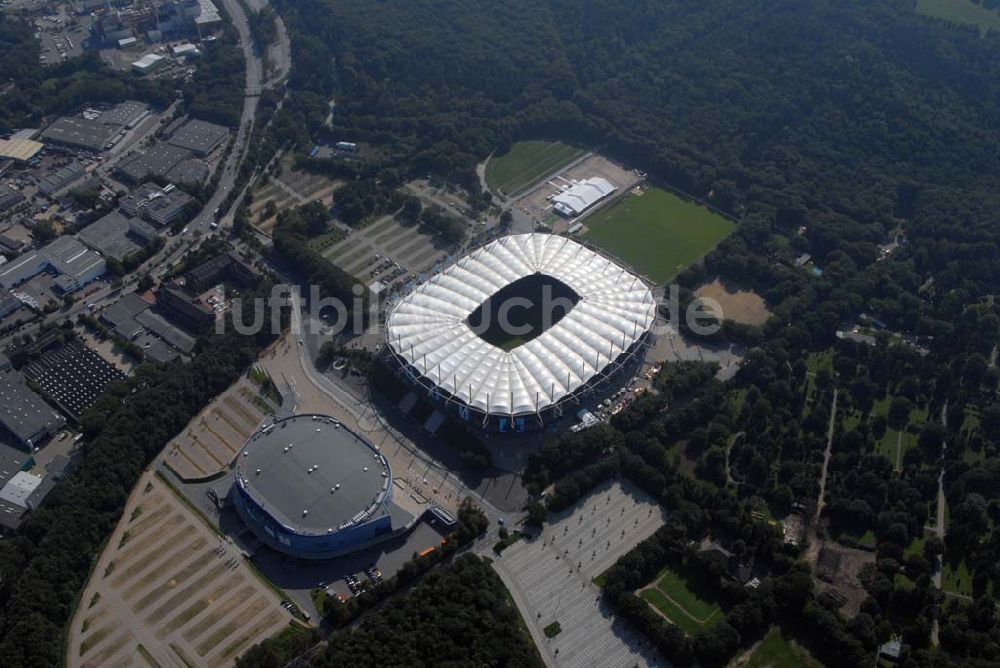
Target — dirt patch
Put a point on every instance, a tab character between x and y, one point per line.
742	306
836	569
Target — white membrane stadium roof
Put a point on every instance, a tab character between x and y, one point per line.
428	328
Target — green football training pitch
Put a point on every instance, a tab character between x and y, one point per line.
657	232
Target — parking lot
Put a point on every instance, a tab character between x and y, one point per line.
61	35
170	590
290	188
210	441
389	250
551	578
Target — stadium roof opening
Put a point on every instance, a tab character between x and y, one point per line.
429	331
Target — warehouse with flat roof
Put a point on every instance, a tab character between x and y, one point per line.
21	150
156	161
25	418
76	132
116	236
74	264
199	137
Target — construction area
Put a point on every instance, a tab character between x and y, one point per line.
169	591
210	442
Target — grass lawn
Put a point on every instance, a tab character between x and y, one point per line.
956	577
814	363
961	11
674	595
895	443
526	163
657	232
656	598
864	540
777	650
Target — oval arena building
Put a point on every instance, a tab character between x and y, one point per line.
446	335
309	487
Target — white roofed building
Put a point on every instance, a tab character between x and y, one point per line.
429	332
581	195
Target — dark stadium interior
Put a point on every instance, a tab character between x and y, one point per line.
497	318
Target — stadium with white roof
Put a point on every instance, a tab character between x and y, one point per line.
521	383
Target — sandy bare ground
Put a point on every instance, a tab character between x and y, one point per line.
742	306
167	591
210	442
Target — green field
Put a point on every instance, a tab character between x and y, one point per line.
526	163
961	11
657	232
673	596
778	651
895	443
956	577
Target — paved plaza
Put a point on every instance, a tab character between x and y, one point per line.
551	578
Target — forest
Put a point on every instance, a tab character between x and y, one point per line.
826	128
459	615
43	91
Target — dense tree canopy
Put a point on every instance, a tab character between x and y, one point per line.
460	615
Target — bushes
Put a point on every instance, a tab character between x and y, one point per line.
460	615
277	651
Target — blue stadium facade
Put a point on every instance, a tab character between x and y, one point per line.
311	488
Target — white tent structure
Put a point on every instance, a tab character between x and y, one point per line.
581	195
428	329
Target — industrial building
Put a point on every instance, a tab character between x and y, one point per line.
606	314
120	316
26	421
20	150
8	304
80	133
116	235
226	267
191	172
9	198
22	489
74	265
148	63
185	50
159	206
131	319
581	195
183	309
58	181
125	114
199	137
115	20
309	487
157	161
